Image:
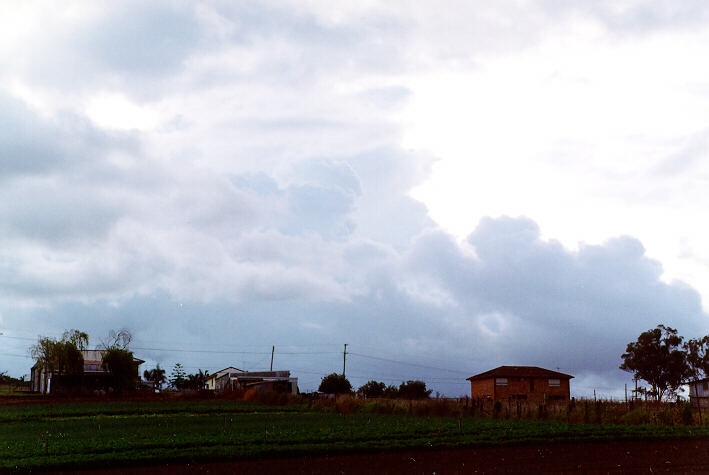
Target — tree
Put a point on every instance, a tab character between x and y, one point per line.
5	379
118	362
77	338
391	392
118	339
658	358
178	377
414	390
697	351
60	356
196	381
335	384
69	359
372	389
156	375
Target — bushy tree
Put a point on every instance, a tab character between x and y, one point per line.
5	379
178	377
391	392
372	389
658	358
118	361
196	381
335	384
697	351
119	364
77	338
414	390
156	376
61	356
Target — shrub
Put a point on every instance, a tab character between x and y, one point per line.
335	384
635	417
372	389
414	390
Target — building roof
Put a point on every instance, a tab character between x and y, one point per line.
519	371
221	372
96	356
93	357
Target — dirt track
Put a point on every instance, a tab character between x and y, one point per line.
678	456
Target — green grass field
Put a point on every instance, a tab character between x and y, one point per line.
37	436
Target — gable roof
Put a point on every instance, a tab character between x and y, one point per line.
519	371
221	372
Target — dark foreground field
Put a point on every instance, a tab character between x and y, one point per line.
678	456
120	435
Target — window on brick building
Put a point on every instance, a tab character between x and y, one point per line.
500	381
554	382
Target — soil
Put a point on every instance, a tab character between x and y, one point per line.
674	456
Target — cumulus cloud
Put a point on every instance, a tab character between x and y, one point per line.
241	174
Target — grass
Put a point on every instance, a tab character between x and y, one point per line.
132	433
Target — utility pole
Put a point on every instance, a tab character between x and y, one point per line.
344	360
273	349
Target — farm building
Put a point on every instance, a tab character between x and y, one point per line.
230	379
94	376
521	383
699	393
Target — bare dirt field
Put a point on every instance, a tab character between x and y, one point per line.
676	456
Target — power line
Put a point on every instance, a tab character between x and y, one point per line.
266	353
408	364
18	337
18	356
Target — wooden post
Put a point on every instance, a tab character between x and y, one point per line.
699	402
636	388
344	360
273	349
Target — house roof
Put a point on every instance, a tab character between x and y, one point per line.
93	357
519	371
96	356
225	370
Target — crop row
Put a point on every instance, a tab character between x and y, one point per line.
30	412
62	440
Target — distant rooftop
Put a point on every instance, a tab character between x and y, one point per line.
519	371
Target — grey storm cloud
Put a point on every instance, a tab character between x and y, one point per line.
532	299
510	298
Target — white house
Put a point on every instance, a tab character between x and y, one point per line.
232	372
699	392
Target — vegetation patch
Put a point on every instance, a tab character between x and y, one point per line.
129	433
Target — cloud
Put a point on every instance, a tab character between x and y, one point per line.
259	189
506	296
537	302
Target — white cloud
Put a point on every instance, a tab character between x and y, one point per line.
256	160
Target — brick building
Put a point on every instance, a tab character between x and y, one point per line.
521	383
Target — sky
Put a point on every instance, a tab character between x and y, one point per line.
445	187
